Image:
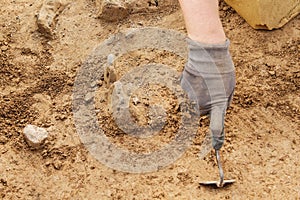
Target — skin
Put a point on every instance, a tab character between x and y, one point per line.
202	21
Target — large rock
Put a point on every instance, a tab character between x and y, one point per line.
266	14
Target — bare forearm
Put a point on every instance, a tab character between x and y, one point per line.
202	20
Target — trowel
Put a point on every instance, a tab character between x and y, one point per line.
221	183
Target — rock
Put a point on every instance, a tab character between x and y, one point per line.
272	73
266	14
35	136
110	59
47	16
114	10
135	100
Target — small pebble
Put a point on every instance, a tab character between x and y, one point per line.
110	59
4	48
89	97
225	8
135	100
272	73
35	136
94	84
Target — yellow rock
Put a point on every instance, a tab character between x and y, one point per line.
266	14
112	10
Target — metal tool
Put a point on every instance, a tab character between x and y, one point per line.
222	182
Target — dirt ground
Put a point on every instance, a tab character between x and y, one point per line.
37	74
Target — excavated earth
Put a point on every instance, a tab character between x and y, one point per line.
37	76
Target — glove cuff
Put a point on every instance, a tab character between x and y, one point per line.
209	58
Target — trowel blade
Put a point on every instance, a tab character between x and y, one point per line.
216	183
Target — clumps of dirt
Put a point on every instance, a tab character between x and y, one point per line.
146	56
140	111
15	110
113	11
7	71
275	81
290	51
268	77
150	95
140	102
23	64
15	113
24	72
16	107
62	157
52	83
36	76
225	12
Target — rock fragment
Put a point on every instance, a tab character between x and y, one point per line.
272	73
35	136
47	16
112	10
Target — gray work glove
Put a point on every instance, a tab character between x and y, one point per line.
209	80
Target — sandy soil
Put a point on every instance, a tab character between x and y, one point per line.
36	80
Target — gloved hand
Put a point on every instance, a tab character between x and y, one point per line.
209	80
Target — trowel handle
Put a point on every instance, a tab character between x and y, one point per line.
220	169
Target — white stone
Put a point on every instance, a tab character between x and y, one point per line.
35	136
